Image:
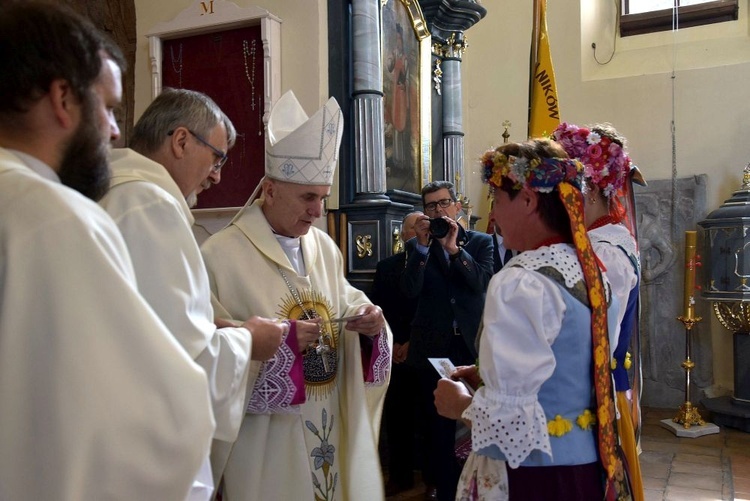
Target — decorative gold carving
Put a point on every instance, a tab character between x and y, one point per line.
688	416
398	244
437	76
364	246
746	178
734	315
465	206
417	19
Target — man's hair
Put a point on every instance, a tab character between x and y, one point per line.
41	43
413	213
178	108
439	185
550	207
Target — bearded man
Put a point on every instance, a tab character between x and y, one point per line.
99	401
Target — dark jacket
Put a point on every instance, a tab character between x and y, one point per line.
386	293
447	290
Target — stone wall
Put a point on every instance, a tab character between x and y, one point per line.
661	237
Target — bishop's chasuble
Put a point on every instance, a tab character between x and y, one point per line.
325	448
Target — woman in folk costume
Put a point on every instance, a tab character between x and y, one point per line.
608	177
542	422
313	419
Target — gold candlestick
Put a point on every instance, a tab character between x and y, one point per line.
688	415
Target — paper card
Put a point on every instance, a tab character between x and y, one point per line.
444	366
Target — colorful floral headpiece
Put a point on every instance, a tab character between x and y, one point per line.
605	162
540	175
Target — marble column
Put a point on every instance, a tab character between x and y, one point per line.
369	142
453	135
448	20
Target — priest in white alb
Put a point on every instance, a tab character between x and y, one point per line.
313	419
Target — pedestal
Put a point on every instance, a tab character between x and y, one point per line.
369	235
726	412
734	411
692	432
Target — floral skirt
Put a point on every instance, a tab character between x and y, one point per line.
483	479
486	479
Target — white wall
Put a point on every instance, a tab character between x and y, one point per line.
633	92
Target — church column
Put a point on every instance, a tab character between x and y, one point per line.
448	21
453	134
369	142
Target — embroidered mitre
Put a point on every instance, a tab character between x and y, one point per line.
303	150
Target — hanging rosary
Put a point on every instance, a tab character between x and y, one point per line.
322	347
250	72
177	63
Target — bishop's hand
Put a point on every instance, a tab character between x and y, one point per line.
371	323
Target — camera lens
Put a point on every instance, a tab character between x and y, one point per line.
439	227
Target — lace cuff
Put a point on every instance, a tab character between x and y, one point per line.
376	372
516	425
280	385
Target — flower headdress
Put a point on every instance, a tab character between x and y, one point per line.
605	162
540	175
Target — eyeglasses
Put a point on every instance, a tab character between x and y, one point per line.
222	157
444	203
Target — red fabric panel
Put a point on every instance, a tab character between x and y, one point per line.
214	63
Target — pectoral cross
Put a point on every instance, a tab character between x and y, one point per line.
322	350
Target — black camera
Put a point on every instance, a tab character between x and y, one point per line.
439	227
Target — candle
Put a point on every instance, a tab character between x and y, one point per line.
689	300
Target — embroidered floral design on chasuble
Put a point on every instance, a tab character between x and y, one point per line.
319	383
323	457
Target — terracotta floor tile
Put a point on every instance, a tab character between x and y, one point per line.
695	481
688	494
741	484
697	468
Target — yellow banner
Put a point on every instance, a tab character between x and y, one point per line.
544	114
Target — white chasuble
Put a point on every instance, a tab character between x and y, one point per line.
98	399
326	447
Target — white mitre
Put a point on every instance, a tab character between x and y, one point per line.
299	149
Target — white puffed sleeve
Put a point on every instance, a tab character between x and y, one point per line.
522	317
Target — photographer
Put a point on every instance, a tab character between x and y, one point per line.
447	269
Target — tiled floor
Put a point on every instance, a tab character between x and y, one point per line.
709	468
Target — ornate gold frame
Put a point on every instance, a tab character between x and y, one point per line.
423	38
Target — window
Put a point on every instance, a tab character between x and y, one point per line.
648	16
